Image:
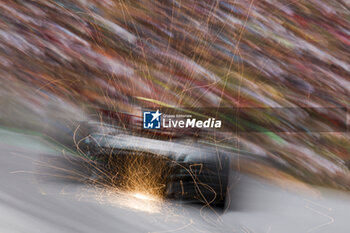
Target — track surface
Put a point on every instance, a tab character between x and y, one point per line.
31	201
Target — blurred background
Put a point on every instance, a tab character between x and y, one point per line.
65	62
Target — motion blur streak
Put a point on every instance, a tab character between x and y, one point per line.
41	203
123	55
65	62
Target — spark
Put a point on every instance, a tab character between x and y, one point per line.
331	220
143	196
136	201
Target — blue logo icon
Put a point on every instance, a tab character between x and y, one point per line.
151	120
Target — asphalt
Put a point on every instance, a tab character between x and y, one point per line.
33	199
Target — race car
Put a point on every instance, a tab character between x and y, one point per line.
190	171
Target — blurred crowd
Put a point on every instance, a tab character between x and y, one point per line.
122	55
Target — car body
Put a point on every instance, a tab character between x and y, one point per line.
187	170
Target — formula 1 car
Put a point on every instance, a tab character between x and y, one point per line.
180	170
